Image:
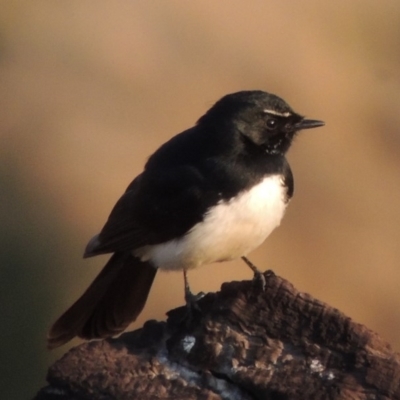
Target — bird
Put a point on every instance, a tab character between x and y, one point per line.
212	193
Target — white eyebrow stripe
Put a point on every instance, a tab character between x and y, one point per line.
273	112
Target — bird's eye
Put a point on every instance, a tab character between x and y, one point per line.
272	123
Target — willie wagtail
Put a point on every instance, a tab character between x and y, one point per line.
212	193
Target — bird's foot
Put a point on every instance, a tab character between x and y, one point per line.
259	277
191	300
192	306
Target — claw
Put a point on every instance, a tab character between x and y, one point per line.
191	300
258	275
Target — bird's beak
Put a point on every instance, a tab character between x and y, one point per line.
308	124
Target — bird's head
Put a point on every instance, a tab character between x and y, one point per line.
261	119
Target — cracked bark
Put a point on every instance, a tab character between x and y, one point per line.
244	344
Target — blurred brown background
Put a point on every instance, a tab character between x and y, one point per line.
90	89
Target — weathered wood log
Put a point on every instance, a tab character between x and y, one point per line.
243	343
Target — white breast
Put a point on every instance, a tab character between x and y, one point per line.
230	230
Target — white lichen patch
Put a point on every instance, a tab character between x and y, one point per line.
329	375
188	342
316	366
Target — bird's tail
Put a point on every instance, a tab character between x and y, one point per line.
113	300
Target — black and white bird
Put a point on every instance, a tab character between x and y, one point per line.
212	193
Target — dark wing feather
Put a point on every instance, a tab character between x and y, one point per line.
155	208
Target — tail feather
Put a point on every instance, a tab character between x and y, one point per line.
113	300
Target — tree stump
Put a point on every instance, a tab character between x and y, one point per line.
242	343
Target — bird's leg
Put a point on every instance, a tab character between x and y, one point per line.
258	275
190	298
188	294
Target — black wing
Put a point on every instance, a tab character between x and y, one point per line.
156	207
